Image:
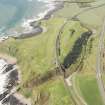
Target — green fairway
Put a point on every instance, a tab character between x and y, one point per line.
89	89
86	81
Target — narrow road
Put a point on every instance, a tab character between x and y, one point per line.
98	66
70	83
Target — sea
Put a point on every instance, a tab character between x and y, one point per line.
15	15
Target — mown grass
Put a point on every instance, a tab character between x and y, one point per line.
89	89
85	80
58	93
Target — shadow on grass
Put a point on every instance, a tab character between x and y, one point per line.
77	49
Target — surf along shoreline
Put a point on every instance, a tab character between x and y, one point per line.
33	25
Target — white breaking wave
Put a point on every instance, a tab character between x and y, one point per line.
46	1
5	73
26	22
3	77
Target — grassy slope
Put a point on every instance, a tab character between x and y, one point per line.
68	39
52	92
94	17
59	95
86	81
35	55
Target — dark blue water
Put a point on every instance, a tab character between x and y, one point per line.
12	12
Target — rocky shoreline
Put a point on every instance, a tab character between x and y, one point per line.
8	92
36	26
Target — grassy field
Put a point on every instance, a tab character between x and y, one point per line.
86	81
89	89
58	94
36	56
93	17
68	37
53	92
69	10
